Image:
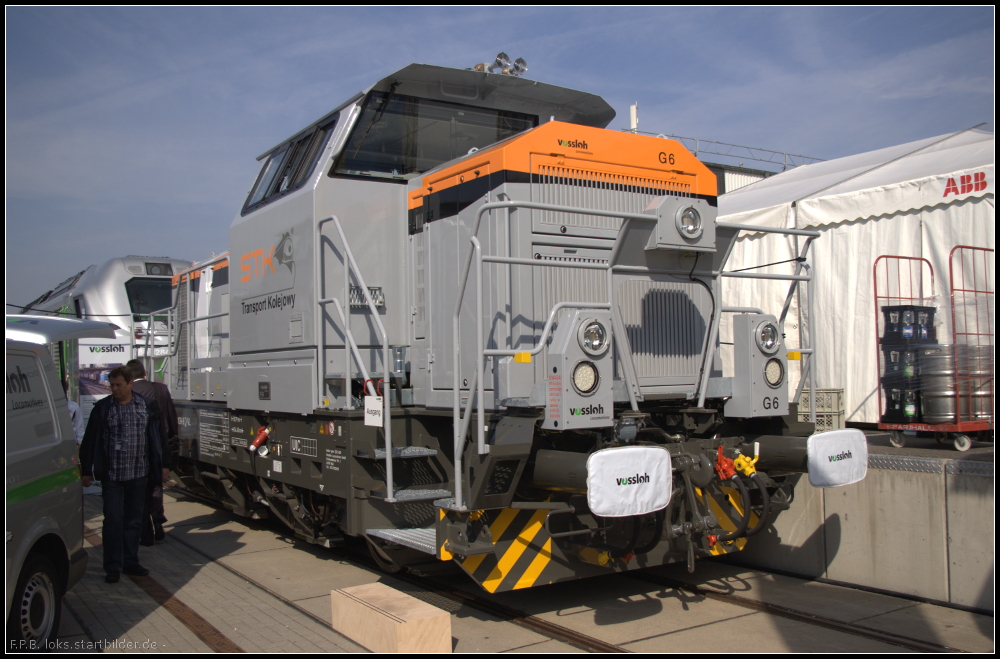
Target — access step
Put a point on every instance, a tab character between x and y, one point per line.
400	452
419	539
407	496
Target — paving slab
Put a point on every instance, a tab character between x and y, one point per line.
247	614
183	511
297	573
955	628
829	600
226	539
758	633
617	609
471	630
122	618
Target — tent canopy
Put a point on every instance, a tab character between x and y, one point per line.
896	179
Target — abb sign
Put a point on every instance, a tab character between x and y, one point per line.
966	183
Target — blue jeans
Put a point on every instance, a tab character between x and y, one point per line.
123	501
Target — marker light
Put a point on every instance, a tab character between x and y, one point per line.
593	338
774	372
585	377
768	339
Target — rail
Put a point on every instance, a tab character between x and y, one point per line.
351	265
477	388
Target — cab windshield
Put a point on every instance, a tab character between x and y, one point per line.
148	295
401	137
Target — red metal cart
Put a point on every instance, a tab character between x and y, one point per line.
925	386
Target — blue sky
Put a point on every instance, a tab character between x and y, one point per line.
135	130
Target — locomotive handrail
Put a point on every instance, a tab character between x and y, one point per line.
548	327
350	337
350	265
795	279
460	424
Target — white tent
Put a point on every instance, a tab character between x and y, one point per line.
919	200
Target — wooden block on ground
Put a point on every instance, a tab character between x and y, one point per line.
384	619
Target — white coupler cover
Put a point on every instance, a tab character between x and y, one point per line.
626	481
837	457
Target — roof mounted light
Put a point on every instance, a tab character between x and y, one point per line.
503	65
502	62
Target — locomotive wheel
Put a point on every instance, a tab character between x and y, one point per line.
962	442
897	438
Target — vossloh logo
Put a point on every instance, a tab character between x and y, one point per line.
589	410
846	455
573	144
633	480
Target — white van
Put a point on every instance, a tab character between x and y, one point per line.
44	520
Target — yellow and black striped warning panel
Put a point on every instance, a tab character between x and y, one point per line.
724	503
523	552
524	555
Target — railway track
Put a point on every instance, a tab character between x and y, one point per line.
793	614
564	634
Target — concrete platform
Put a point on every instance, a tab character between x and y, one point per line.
920	524
253	587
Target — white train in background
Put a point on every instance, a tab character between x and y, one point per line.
125	291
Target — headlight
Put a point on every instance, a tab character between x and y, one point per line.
774	372
585	377
593	338
689	222
768	339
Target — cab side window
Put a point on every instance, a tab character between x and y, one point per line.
30	421
287	167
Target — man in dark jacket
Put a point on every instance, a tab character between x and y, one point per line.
153	516
121	448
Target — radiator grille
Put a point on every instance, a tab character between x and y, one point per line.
556	285
666	323
573	186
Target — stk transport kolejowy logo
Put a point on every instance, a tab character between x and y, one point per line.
268	303
846	455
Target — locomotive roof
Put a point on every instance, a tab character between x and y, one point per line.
479	88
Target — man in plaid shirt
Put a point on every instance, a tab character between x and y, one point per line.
121	448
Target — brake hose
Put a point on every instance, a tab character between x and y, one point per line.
762	520
660	516
742	526
622	552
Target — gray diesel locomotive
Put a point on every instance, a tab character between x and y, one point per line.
463	320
